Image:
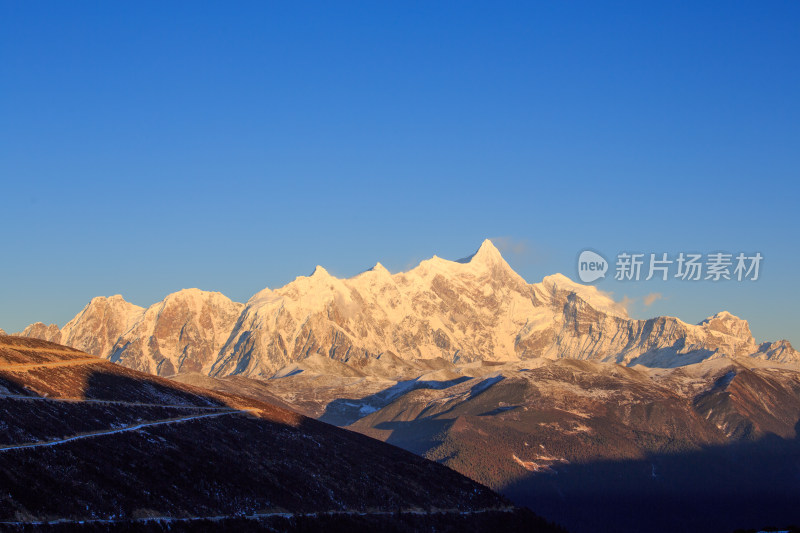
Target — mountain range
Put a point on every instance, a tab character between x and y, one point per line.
474	309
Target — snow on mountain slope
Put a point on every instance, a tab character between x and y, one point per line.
100	323
182	333
462	311
473	309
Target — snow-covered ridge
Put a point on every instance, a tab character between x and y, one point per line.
472	309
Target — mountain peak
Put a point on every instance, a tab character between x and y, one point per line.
722	316
379	268
107	299
100	305
194	294
319	271
191	291
486	254
729	324
600	300
559	280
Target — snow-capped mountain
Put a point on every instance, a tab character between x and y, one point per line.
473	309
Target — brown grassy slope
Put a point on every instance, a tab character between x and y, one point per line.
263	458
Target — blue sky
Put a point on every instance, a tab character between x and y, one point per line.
147	147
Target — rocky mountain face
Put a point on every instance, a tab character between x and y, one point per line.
182	333
475	309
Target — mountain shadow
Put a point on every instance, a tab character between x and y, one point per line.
345	411
747	484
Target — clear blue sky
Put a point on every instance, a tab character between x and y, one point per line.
147	147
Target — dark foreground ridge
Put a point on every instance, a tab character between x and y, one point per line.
90	444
